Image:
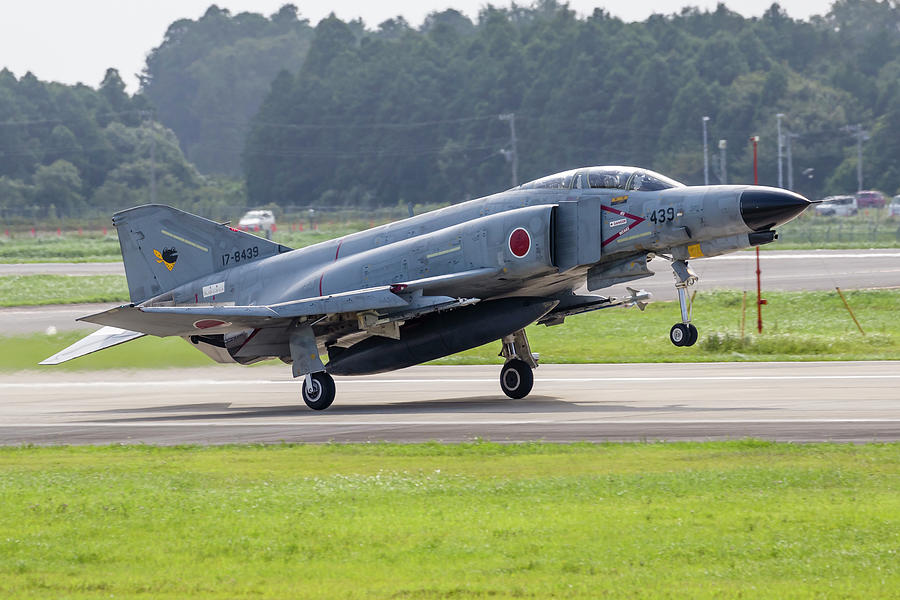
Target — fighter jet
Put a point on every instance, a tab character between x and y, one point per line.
430	285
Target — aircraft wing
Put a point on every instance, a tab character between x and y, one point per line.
209	319
105	337
191	320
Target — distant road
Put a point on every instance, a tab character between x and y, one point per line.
100	268
820	401
781	270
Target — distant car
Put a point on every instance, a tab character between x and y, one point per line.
894	208
258	220
839	206
870	199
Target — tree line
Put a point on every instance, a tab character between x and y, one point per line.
249	109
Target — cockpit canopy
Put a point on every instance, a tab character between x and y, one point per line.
620	178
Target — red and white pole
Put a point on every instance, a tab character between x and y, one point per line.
759	298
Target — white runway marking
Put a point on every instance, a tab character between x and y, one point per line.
767	256
257	382
432	423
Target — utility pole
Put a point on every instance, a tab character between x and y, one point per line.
861	136
723	144
512	154
780	116
146	117
705	154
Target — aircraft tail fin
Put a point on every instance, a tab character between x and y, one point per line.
163	248
105	337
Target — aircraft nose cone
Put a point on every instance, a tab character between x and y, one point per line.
763	208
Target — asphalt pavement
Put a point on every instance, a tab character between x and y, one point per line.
801	402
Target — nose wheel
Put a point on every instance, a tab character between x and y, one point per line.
318	390
684	333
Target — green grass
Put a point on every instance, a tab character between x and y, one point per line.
69	247
869	229
95	247
797	326
714	520
18	290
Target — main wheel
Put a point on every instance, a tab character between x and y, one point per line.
516	379
693	334
323	390
679	334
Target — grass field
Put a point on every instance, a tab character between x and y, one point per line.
18	290
95	247
798	326
713	520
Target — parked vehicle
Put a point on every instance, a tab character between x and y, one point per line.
894	208
840	206
258	220
870	199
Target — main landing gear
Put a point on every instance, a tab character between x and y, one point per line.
516	376
318	390
684	333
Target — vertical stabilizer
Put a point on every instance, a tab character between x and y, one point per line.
163	248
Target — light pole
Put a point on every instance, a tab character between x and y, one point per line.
723	144
780	116
705	154
790	159
512	155
861	136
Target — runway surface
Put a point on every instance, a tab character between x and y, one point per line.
781	270
824	401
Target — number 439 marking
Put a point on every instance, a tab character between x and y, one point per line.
662	215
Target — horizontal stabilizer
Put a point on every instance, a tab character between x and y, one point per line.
105	337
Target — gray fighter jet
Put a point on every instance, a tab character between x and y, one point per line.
430	285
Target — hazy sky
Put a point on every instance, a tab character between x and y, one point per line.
76	40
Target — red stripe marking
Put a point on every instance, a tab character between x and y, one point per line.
637	221
320	282
249	337
336	252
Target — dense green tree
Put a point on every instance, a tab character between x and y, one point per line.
209	76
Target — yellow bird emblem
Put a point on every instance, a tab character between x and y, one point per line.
167	257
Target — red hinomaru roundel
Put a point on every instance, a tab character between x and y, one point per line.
209	323
519	242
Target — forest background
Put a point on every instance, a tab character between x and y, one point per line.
252	110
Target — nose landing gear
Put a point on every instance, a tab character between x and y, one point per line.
516	377
684	333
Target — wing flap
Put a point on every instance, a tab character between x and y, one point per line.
105	337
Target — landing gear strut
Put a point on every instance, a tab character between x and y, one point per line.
318	390
516	377
684	333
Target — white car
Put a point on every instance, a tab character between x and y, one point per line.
840	206
894	207
258	220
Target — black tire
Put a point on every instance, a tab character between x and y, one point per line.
679	334
693	335
323	391
516	379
